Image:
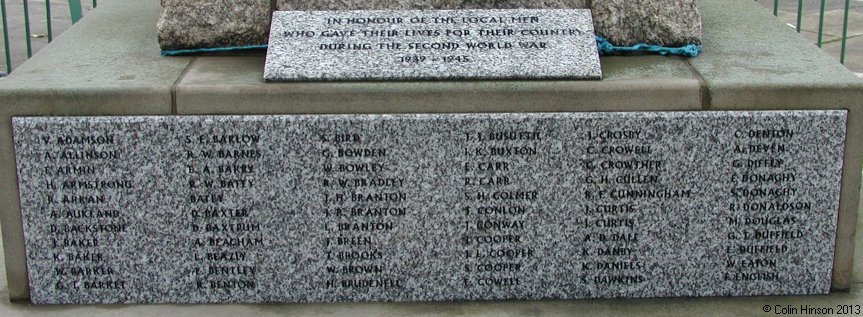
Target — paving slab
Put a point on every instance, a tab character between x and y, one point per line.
810	27
833	26
853	53
833	22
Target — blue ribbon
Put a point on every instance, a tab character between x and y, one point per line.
210	50
606	48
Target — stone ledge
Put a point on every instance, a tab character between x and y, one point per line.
216	85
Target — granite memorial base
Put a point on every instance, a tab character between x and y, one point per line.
754	75
429	207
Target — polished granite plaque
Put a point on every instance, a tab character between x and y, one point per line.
256	209
432	44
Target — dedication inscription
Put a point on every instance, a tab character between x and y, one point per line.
428	207
416	44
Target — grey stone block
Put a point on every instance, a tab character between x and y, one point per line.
287	5
422	44
429	207
187	24
222	23
658	22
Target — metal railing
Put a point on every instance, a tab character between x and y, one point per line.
821	6
75	13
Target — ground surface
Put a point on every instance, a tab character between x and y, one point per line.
60	21
833	26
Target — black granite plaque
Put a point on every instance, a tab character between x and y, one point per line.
429	207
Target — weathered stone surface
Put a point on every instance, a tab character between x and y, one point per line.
429	207
187	24
432	44
223	23
287	5
658	22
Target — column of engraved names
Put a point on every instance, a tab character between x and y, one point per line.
497	200
764	210
364	200
625	176
222	168
82	201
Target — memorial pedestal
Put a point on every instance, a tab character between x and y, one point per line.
751	62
